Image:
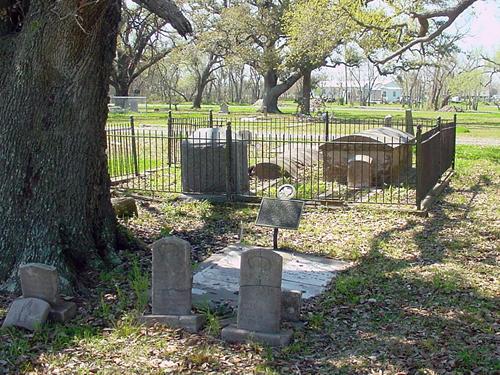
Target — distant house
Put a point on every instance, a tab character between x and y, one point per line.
384	91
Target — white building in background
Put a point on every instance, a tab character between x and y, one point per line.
385	90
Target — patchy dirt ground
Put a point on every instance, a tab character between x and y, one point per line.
422	297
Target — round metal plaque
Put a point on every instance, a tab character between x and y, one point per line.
286	191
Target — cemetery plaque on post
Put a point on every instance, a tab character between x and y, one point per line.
280	213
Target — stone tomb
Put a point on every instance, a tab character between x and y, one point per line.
259	311
172	283
40	300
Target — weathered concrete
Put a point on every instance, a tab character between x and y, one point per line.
359	171
27	313
172	283
124	206
191	323
260	291
172	279
234	334
40	281
217	279
291	305
259	311
204	162
62	312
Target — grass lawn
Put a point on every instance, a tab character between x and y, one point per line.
487	115
421	296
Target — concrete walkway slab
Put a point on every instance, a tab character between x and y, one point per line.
217	279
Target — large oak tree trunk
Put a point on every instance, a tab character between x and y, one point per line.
269	98
54	186
306	91
273	90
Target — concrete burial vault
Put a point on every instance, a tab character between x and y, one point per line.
217	279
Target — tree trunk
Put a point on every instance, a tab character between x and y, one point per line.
306	91
54	184
199	96
273	90
122	88
269	99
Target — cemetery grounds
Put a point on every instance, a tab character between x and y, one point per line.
421	297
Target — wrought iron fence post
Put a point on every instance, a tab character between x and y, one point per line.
211	118
454	141
327	127
419	167
169	139
440	144
229	162
134	146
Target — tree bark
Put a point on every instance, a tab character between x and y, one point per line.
54	184
273	90
306	91
204	79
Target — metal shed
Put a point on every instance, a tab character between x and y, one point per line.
369	158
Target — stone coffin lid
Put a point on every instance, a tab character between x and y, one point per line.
390	137
210	136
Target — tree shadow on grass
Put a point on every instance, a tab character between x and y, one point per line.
410	313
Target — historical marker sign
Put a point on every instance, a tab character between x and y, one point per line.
279	213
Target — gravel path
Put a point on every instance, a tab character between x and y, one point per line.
478	141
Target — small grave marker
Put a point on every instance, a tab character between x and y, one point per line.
27	313
40	300
172	283
259	307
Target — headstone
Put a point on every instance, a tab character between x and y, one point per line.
27	313
359	171
124	207
205	166
39	281
260	291
224	108
172	283
259	307
171	277
291	305
388	121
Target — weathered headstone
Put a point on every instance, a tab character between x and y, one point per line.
27	313
388	121
291	305
41	281
259	307
124	207
172	282
359	171
224	108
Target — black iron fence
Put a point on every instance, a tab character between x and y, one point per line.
435	154
326	159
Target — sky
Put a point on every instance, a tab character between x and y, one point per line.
483	25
